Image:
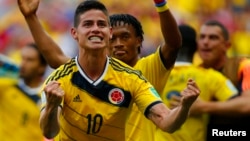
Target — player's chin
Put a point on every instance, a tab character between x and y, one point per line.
121	57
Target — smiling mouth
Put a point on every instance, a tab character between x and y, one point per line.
119	53
95	39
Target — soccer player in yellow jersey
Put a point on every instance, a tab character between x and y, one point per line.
213	44
219	88
125	44
20	98
75	93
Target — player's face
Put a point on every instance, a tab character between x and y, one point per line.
30	66
211	44
124	43
93	30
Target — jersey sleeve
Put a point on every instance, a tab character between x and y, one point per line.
145	96
221	86
154	70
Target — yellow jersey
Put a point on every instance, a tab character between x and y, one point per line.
138	126
19	112
98	110
213	86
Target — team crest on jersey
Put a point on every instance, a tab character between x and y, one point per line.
116	96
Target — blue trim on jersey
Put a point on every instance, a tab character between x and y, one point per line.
150	106
101	90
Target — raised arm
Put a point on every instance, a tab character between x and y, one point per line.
50	50
171	34
171	120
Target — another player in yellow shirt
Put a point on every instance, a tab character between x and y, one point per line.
213	86
20	98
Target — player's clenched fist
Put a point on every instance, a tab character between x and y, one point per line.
190	93
28	7
54	94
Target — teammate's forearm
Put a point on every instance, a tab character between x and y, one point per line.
236	106
170	32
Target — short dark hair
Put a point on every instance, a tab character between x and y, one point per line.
41	57
224	30
189	43
130	20
86	6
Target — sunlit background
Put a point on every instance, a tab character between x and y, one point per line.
57	15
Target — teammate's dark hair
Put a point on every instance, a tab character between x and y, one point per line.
115	19
42	59
189	44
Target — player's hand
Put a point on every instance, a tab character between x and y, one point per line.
28	7
190	93
54	94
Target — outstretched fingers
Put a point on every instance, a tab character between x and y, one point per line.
28	7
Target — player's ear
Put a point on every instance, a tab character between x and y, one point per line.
111	33
74	33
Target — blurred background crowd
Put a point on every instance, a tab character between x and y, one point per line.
57	17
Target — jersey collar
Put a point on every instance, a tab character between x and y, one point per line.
96	82
182	63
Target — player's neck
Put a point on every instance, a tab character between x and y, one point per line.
216	64
133	62
33	82
92	65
